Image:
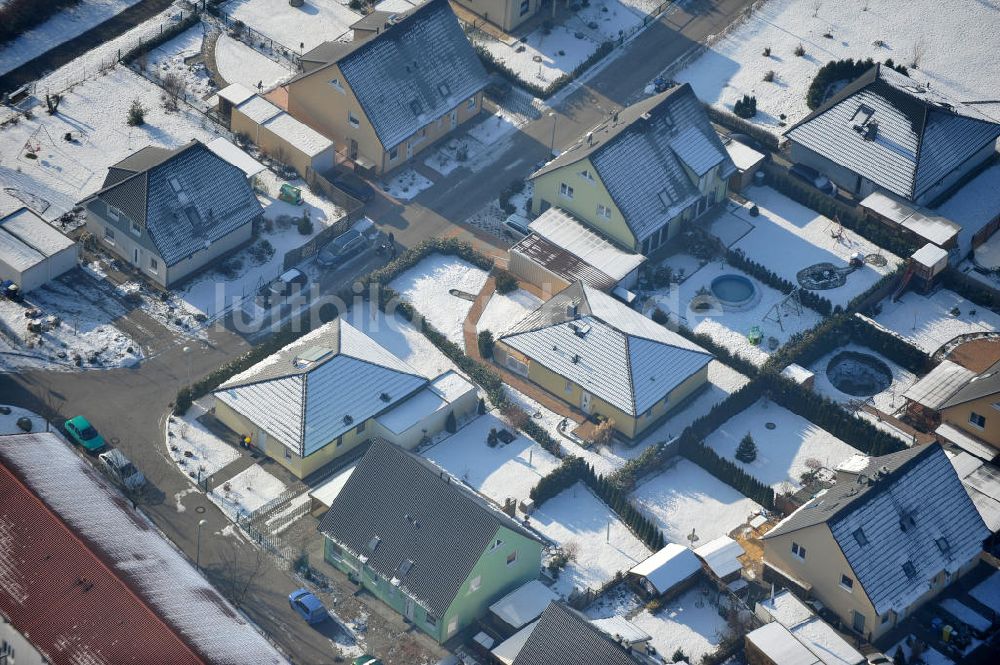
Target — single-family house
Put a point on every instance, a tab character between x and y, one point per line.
32	251
890	535
332	390
638	177
887	132
505	14
386	96
563	636
169	213
424	544
602	357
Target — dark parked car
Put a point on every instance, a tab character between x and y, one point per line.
290	282
814	178
354	186
341	249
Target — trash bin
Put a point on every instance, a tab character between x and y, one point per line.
946	633
758	178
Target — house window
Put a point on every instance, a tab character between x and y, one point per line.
977	420
525	6
175	184
511	558
568	388
859	535
648	414
361	427
340	440
846	583
109	235
452	626
431	619
885	618
942	544
113	213
471	104
565	191
337	86
603	211
906	521
587	175
394	153
136	229
288	454
351	118
799	551
496	543
476	582
154	265
444	89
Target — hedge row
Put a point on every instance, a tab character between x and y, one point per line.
837	71
19	16
969	288
721	353
187	20
738	124
815	302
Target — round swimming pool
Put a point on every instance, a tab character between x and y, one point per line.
734	291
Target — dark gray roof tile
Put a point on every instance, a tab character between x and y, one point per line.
563	636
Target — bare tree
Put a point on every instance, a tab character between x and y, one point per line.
239	567
919	47
816	7
176	88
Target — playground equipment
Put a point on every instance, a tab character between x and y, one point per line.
777	313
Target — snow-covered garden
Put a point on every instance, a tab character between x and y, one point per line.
246	492
297	28
238	63
405	184
955	56
845	369
930	322
505	309
195	449
691	622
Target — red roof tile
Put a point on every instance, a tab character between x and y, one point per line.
64	599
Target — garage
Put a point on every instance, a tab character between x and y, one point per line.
32	252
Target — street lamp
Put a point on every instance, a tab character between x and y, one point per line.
187	354
552	141
197	556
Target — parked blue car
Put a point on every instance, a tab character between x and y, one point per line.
307	605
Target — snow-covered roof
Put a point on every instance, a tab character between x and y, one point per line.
610	350
925	224
258	109
743	156
797	373
929	255
856	463
721	555
298	134
134	550
621	629
643	156
780	647
808	629
895	132
938	385
562	229
669	567
329	490
319	387
562	636
26	240
435	396
236	93
230	152
966	441
974	206
561	263
524	604
507	650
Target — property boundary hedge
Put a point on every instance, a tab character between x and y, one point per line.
810	299
970	289
492	64
738	124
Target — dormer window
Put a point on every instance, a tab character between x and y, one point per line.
906	521
175	184
444	90
416	107
943	546
860	537
909	570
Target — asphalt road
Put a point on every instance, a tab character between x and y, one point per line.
130	406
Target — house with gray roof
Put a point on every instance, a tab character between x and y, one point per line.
886	132
392	91
331	391
604	358
171	212
641	175
892	533
423	543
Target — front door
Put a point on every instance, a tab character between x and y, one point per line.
859	622
585	401
409	606
409	148
135	258
353	149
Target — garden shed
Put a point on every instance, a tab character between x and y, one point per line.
32	252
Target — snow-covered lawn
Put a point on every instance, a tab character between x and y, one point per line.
685	497
544	58
296	28
168	58
691	622
787	237
211	293
987	592
929	656
928	322
94	113
8	421
494	127
887	400
730	328
506	470
468	151
783	453
602	545
956	50
505	309
401	338
247	491
187	434
62	26
405	184
238	63
427	287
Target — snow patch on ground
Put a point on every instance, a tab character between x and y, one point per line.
405	184
169	57
296	28
427	287
238	63
505	309
603	545
209	453
685	497
783	453
248	491
8	421
956	50
690	622
506	470
928	321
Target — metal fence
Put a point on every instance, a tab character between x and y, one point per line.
258	41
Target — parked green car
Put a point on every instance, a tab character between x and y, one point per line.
367	660
83	433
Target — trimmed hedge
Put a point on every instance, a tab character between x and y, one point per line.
721	353
841	70
494	65
968	288
810	299
738	124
